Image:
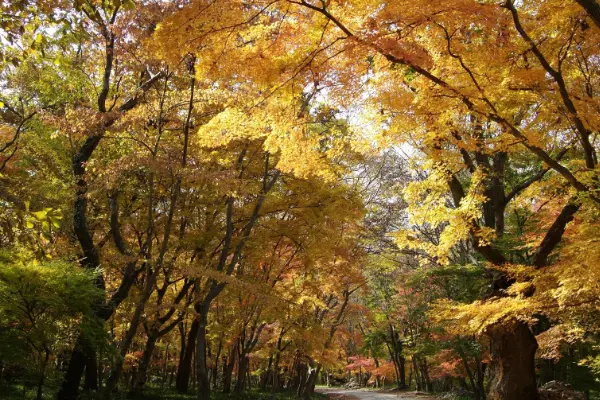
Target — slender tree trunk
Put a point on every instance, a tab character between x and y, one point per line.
228	370
424	372
301	379
248	376
215	369
241	373
185	365
480	374
265	378
100	364
113	379
166	367
276	373
141	375
428	386
415	368
171	376
215	373
42	379
91	373
201	371
470	375
395	348
194	375
182	342
513	348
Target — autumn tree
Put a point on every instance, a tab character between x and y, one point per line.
256	173
473	101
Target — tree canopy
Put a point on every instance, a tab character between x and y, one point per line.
262	196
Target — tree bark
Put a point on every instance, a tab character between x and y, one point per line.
42	379
91	373
425	375
70	386
415	368
311	381
228	370
241	373
402	371
593	10
275	386
113	379
79	359
141	375
201	372
215	369
185	366
265	377
513	348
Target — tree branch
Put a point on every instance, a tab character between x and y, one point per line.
554	234
593	10
582	132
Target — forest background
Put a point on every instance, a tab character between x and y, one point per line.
259	196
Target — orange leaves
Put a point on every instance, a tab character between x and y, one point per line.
358	362
386	368
553	340
408	52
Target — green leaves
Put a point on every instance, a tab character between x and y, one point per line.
46	218
41	304
129	4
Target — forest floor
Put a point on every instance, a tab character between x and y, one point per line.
357	394
17	392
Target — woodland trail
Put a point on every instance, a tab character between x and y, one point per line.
353	394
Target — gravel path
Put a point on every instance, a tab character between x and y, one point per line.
350	394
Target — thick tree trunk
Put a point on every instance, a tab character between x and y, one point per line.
91	373
184	369
70	385
513	348
311	381
593	10
402	373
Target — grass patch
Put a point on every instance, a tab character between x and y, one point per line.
18	392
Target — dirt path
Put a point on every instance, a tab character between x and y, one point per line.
351	394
